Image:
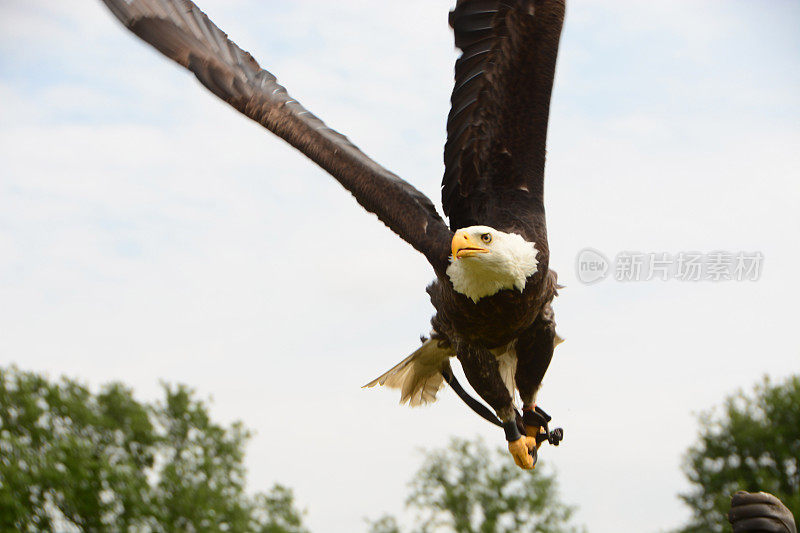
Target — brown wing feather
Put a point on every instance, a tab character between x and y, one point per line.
180	31
497	127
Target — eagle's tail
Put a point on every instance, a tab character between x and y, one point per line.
418	376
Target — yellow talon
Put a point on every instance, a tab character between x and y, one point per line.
532	431
520	449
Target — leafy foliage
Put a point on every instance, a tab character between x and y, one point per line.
385	524
275	512
466	488
754	445
73	460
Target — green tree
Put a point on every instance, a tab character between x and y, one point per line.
276	513
71	459
466	488
385	524
753	445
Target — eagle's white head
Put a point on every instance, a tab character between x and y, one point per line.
486	261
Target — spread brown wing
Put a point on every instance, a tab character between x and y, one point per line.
180	31
497	127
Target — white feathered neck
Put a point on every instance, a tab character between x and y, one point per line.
509	263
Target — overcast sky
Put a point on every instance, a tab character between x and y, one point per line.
148	232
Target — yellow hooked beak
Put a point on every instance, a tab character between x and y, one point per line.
464	245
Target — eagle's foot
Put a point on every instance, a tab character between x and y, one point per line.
523	450
535	432
536	425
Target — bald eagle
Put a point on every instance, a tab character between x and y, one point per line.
493	288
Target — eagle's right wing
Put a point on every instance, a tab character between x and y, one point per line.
183	33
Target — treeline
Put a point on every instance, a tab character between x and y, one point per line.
73	460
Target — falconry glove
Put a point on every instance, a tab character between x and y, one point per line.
760	512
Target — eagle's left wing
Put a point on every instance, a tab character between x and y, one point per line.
183	33
496	130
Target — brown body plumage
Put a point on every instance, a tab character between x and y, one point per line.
494	162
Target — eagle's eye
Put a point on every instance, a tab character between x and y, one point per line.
486	237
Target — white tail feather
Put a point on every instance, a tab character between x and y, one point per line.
507	365
418	376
